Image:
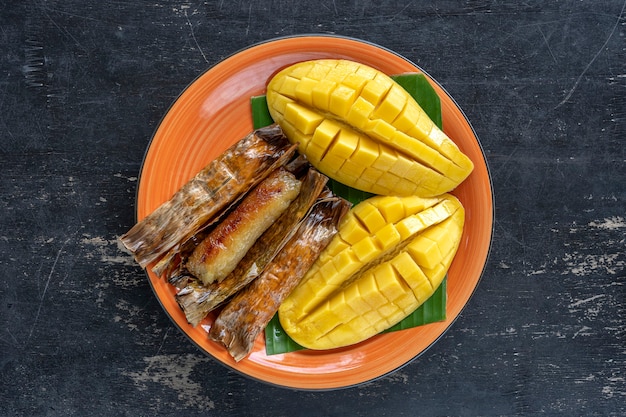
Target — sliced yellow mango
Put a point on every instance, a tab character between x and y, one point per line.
389	256
358	126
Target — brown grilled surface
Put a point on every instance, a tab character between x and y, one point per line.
203	198
220	252
197	300
246	315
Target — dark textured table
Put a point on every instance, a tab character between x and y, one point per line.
83	86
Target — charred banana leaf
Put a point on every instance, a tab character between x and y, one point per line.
220	252
197	300
247	314
170	266
212	190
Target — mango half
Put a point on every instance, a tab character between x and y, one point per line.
389	256
358	126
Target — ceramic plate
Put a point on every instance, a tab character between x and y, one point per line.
213	112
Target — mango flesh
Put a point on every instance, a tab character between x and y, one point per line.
389	256
359	127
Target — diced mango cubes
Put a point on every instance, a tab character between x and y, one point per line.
389	256
374	136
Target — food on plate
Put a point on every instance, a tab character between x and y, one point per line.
204	197
244	317
219	253
248	226
197	299
390	255
359	127
257	231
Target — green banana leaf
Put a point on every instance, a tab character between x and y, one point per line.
434	309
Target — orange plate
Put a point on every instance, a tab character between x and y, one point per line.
214	112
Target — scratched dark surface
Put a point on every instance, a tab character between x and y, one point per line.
82	88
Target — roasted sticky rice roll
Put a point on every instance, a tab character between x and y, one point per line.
204	197
247	314
197	299
220	252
